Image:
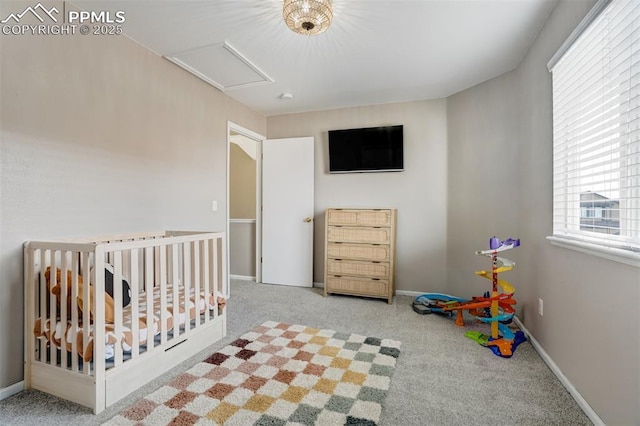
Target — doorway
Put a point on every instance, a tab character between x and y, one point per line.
243	200
270	187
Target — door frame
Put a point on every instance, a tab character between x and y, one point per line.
258	138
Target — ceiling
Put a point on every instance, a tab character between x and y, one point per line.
375	51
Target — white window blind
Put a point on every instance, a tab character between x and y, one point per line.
596	132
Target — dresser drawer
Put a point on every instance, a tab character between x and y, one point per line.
357	285
348	234
354	267
380	253
359	217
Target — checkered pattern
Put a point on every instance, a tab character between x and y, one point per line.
277	374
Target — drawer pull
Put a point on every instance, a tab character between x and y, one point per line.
375	279
375	261
338	276
339	260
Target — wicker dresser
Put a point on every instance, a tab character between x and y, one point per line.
360	252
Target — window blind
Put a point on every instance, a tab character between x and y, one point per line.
596	131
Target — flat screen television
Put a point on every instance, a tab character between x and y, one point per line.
372	149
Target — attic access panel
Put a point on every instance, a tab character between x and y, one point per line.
220	65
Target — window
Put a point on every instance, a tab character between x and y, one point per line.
596	132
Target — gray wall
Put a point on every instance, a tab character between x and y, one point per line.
100	135
482	183
500	182
419	193
242	249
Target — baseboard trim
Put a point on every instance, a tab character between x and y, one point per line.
11	390
398	292
582	403
242	277
409	293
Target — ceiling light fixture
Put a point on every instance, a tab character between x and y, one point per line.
307	17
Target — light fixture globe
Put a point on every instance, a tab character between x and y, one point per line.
307	17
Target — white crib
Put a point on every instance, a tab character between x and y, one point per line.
177	283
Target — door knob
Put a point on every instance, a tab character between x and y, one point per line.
308	219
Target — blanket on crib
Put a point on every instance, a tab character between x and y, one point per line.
53	330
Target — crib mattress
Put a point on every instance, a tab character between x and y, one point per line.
153	324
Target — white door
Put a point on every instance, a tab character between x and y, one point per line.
287	211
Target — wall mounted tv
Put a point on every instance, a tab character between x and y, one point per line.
372	149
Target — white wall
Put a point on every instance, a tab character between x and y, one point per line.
419	193
500	182
100	135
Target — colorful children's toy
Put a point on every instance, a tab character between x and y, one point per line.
493	308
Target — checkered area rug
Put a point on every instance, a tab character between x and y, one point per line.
277	374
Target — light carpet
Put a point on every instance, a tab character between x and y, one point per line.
278	374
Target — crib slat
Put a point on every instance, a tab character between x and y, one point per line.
148	286
63	310
135	312
43	305
206	269
53	353
175	285
98	325
74	312
186	279
156	266
86	322
163	294
117	302
126	263
196	274
215	291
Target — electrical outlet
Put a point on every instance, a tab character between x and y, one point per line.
214	205
540	307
